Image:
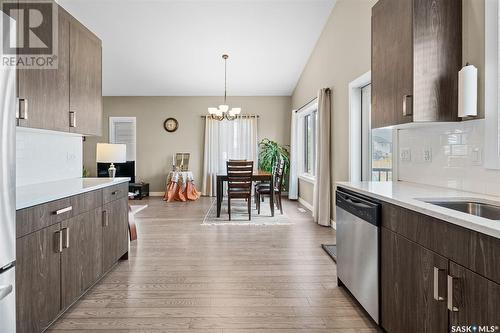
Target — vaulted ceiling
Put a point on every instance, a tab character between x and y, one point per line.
174	47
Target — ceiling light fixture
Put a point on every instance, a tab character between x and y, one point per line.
223	111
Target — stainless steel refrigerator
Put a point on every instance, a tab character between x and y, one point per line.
7	186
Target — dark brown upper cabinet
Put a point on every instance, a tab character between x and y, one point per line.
416	57
69	98
44	93
85	81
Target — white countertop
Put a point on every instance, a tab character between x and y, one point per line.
407	195
36	194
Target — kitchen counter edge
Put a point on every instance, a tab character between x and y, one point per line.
414	203
37	194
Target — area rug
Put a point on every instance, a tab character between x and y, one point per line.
239	215
331	250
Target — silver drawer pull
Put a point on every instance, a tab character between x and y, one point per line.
58	242
105	221
407	105
115	192
64	210
451	307
22	112
65	237
436	285
5	291
72	119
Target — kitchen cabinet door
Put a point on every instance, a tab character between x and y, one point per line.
392	61
44	93
81	259
475	299
85	81
115	232
408	287
38	279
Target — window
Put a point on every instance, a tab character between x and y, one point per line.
310	143
376	144
123	130
307	123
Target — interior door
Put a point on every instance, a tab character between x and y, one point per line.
38	279
408	288
392	61
475	299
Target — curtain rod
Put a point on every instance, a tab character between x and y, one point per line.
242	116
312	100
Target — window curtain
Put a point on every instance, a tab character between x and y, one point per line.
293	188
225	140
322	185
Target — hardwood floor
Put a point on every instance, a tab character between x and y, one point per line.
185	277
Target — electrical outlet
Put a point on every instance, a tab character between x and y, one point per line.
476	156
405	155
427	154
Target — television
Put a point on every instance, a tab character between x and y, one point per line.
126	169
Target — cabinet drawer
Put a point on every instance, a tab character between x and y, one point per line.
34	218
86	201
114	192
473	250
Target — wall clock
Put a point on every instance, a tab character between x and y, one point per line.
171	125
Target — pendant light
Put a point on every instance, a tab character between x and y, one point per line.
223	112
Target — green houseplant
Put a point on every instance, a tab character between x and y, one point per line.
271	151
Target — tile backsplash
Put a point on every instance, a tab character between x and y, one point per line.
447	155
44	156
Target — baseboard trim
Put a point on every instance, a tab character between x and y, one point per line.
156	194
305	204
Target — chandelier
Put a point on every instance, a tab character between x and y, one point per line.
223	112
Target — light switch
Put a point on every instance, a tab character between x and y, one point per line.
427	154
405	155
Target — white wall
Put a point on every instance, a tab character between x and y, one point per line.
457	157
44	156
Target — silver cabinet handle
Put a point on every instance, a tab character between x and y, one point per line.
58	242
115	192
64	210
72	119
451	307
22	112
5	291
407	105
105	221
436	285
65	235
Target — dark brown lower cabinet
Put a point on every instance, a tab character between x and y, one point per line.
81	256
408	287
38	279
115	232
475	299
63	249
424	284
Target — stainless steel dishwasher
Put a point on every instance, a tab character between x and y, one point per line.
358	222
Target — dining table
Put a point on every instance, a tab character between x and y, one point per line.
258	176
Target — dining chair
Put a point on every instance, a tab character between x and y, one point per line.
265	189
239	183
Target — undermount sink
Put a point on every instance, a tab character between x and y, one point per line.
476	208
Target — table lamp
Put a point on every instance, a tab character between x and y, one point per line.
111	153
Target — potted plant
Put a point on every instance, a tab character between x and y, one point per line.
270	152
